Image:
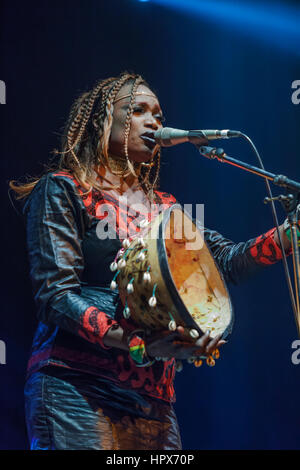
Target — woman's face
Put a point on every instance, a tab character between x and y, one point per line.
146	119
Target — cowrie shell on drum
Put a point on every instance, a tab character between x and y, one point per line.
126	312
210	361
152	301
141	241
126	243
130	288
198	363
113	266
141	257
179	366
113	285
191	359
194	333
121	263
146	277
216	354
172	325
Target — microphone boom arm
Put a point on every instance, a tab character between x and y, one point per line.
220	155
279	180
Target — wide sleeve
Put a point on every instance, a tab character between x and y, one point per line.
239	261
55	228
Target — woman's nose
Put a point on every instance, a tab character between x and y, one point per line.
152	122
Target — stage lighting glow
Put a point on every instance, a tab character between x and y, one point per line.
276	23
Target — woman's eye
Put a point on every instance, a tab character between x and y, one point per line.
138	110
159	117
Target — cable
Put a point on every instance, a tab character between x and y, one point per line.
274	213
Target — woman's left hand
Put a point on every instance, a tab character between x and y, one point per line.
175	344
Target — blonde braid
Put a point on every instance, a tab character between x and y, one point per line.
72	131
158	159
105	91
79	105
82	117
148	186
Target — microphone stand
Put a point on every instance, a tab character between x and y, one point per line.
289	203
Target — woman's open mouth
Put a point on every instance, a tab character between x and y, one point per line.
149	140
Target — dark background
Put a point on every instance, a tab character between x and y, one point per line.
213	65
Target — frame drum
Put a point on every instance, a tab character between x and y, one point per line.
168	277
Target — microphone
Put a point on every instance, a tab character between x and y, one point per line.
166	137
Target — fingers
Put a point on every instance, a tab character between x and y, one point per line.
176	344
180	329
208	345
212	345
203	341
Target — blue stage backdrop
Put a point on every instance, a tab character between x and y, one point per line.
213	65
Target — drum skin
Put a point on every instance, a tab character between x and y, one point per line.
185	281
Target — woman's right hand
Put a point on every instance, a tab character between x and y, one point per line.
174	344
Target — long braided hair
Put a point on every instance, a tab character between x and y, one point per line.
85	139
